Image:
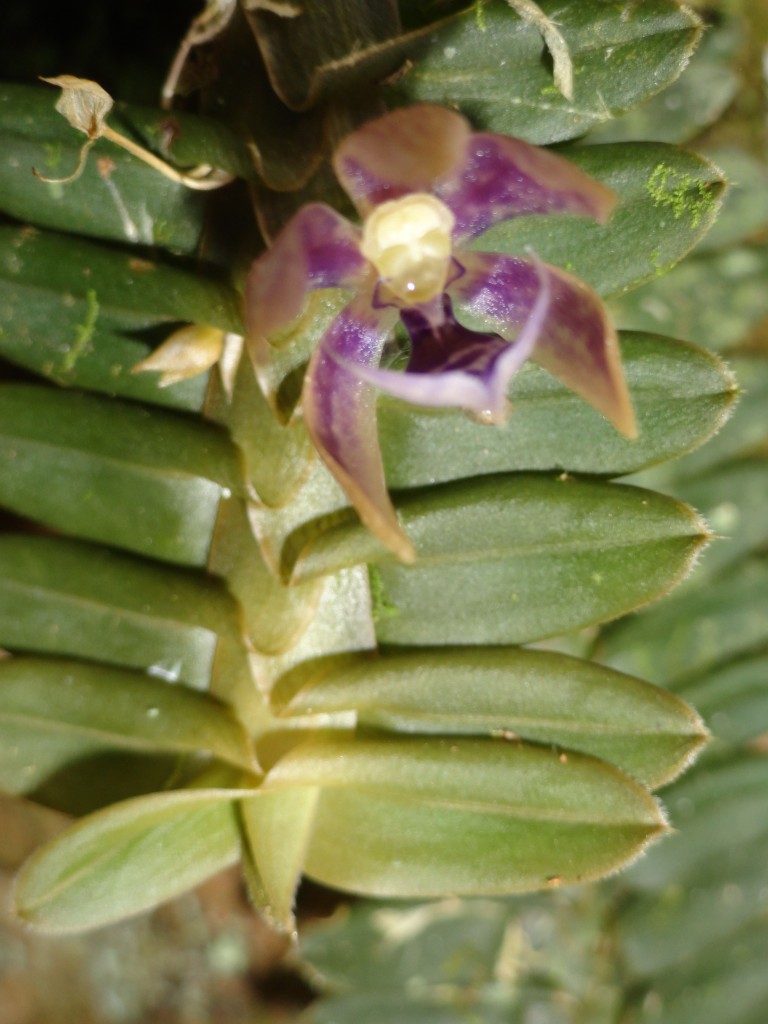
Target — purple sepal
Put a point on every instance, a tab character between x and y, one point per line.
318	248
502	178
576	341
340	413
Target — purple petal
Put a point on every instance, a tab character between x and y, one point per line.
318	248
407	150
500	178
340	413
576	341
451	365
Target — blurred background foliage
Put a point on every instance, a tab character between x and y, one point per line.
681	936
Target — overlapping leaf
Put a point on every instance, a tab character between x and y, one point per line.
117	197
419	817
680	394
668	198
553	554
548	698
488	62
696	629
65	597
54	712
128	858
147	481
83	314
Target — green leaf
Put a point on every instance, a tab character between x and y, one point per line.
183	139
315	50
146	480
415	817
69	598
141	290
488	62
697	99
535	695
275	616
660	933
745	206
450	942
733	699
117	196
745	433
681	394
728	985
54	712
668	199
732	498
277	455
716	297
513	559
718	809
127	859
695	629
407	1008
83	314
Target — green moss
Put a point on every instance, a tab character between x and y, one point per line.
682	193
381	606
83	332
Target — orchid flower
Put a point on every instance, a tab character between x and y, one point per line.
425	186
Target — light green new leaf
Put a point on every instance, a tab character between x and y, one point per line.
536	695
668	199
694	630
420	817
69	598
512	559
55	712
492	65
146	480
680	395
117	196
128	859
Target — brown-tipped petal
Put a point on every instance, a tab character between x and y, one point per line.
576	340
407	150
579	346
340	412
318	248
